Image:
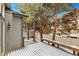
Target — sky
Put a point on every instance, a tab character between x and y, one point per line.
15	7
75	5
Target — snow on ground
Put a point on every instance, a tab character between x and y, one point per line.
39	49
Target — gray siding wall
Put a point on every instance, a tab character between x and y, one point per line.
0	7
13	35
0	35
17	32
0	29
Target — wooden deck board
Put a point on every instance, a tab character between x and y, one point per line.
63	43
39	49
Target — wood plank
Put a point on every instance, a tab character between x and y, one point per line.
72	47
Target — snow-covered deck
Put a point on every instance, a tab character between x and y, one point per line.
39	49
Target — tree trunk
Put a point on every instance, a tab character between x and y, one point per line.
54	33
25	27
40	26
34	31
28	31
55	26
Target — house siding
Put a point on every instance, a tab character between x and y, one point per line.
0	29
13	34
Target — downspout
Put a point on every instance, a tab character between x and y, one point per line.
3	20
4	43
